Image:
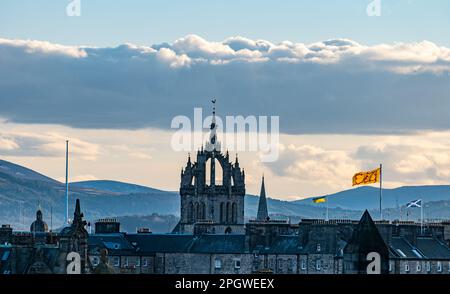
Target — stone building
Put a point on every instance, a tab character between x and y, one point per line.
41	251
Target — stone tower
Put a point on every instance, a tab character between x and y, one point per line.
207	206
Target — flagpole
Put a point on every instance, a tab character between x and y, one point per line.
421	217
327	209
381	190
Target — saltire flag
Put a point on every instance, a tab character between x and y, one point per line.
367	177
414	203
319	199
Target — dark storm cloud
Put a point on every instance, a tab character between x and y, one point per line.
335	86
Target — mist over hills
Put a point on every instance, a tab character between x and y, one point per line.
22	190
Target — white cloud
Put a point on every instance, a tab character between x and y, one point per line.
312	164
50	144
43	47
8	143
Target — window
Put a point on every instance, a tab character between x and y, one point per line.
145	262
237	263
271	263
439	266
116	261
126	261
417	253
418	266
234	213
428	266
401	253
318	247
318	264
303	264
290	264
138	261
390	266
95	261
218	263
406	267
280	264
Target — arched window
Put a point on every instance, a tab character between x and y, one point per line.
218	172
203	216
190	215
196	211
222	212
234	213
227	217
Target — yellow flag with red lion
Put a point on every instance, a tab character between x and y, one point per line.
367	177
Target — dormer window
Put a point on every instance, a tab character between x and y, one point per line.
318	247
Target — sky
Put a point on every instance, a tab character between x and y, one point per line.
351	90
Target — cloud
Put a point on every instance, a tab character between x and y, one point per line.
419	159
409	162
44	145
334	86
313	164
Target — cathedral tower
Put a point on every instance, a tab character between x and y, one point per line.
208	206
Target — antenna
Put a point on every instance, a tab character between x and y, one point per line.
67	181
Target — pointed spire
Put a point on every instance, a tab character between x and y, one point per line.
77	209
263	214
236	163
78	215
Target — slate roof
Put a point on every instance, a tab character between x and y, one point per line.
426	248
432	248
226	243
5	259
115	243
160	243
285	245
399	247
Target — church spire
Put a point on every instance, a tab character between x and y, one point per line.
263	214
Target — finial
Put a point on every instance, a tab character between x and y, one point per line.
214	105
237	159
189	157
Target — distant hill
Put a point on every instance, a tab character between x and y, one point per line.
20	172
115	187
21	189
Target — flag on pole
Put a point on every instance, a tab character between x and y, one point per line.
319	199
414	203
367	177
